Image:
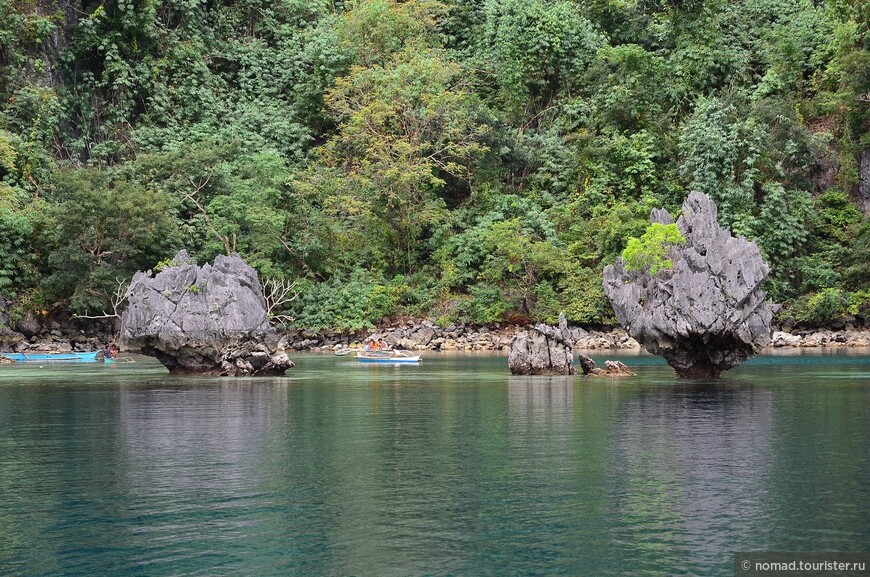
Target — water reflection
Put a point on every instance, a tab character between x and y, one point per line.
172	434
452	468
689	466
192	465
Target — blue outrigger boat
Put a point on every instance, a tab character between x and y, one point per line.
89	357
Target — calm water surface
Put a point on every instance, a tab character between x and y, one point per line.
450	468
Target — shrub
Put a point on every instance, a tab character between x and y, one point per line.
650	251
822	307
584	300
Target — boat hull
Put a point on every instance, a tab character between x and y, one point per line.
90	357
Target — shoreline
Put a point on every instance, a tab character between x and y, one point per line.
426	336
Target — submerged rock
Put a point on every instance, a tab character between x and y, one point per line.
202	320
708	312
546	351
611	368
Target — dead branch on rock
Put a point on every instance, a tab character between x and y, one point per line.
278	292
117	299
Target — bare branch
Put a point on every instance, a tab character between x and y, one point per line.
277	294
117	298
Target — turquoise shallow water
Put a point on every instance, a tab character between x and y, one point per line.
449	468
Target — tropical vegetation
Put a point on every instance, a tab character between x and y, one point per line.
465	160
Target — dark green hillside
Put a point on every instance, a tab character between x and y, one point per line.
466	160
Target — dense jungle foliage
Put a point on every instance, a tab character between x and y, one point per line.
465	160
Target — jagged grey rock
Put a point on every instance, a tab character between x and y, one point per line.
614	369
202	320
587	365
708	312
611	368
864	179
546	351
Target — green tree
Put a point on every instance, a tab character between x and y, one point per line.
405	129
375	30
720	157
536	51
106	228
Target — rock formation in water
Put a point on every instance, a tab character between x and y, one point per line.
546	351
203	320
707	313
611	368
587	365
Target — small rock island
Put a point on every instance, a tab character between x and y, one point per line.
209	320
545	350
706	313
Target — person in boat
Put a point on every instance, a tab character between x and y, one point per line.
107	352
115	349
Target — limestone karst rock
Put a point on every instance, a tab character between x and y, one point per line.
202	320
545	350
611	368
708	312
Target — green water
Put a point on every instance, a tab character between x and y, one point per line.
449	468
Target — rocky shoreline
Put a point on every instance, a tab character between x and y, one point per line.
426	336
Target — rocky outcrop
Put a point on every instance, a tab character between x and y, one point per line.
587	365
424	335
611	368
28	325
783	339
249	354
864	180
708	312
202	320
9	339
544	350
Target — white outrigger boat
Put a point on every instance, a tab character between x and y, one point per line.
385	357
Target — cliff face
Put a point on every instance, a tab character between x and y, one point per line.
203	320
708	312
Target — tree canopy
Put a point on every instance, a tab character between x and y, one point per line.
466	160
